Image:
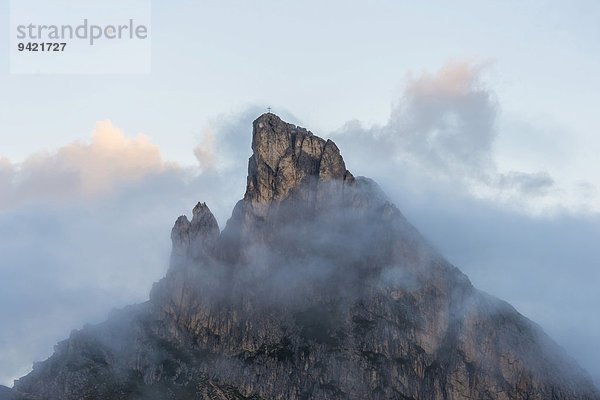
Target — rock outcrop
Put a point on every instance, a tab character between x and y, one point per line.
317	288
196	239
287	159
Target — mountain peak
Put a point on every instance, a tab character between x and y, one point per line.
287	158
317	288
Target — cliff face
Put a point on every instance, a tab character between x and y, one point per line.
317	288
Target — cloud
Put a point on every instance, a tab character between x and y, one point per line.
447	120
205	152
81	169
444	122
443	131
532	183
85	228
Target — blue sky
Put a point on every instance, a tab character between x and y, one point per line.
490	105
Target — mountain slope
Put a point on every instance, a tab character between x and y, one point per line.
317	288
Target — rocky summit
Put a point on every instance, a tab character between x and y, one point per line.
317	288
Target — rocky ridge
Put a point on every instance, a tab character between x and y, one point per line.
317	288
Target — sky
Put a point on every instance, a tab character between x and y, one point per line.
478	118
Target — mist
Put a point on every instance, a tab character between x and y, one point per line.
71	252
70	256
525	236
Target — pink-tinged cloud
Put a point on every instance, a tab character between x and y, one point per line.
442	131
89	168
453	80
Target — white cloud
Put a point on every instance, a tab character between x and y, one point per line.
443	132
205	151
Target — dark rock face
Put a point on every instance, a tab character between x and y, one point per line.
8	394
317	288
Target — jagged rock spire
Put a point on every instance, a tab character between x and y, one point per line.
203	225
196	237
287	157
